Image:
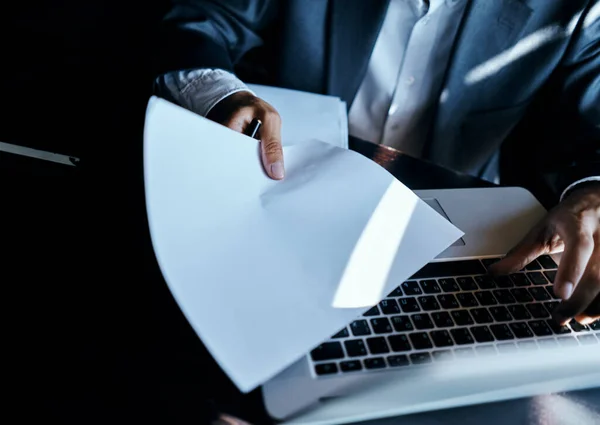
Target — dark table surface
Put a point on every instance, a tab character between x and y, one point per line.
43	182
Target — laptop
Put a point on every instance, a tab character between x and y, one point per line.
450	335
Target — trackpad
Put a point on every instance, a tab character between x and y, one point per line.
433	203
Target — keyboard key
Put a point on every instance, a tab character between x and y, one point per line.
402	324
538	311
537	278
398	360
466	299
411	288
521	295
375	363
442	319
587	339
486	298
534	265
399	343
327	351
527	345
326	369
595	325
504	296
550	290
448	285
501	332
448	301
500	314
521	330
557	328
481	315
551	275
519	279
487	262
342	334
381	325
567	341
578	327
506	348
503	282
430	287
547	343
539	327
420	358
355	348
373	311
377	345
441	338
396	292
409	305
462	317
462	336
486	350
485	282
519	312
442	355
482	334
467	283
429	303
464	353
422	321
547	262
360	328
539	294
420	341
551	305
450	268
389	306
350	366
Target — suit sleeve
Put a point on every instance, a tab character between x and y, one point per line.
580	102
213	34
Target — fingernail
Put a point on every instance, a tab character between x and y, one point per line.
277	170
565	290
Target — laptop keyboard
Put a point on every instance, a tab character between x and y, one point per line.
453	310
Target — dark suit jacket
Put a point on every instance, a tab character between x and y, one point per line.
528	69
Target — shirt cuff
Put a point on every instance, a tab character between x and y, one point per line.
578	182
198	90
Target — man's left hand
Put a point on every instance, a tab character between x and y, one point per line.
573	225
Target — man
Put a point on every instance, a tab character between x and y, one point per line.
451	81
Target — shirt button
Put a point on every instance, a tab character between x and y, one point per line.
410	81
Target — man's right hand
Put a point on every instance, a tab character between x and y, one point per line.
238	110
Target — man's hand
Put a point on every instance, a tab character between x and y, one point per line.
238	110
575	226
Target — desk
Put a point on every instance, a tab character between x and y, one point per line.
47	189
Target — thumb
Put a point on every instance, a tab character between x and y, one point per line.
530	247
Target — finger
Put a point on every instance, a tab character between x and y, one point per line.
584	319
272	153
579	246
586	292
240	119
531	246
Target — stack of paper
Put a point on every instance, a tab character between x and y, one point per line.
307	116
266	270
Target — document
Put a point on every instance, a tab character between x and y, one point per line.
266	270
307	116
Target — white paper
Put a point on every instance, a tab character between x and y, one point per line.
257	265
307	116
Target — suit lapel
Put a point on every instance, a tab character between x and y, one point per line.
354	26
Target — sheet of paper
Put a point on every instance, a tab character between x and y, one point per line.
307	116
266	270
